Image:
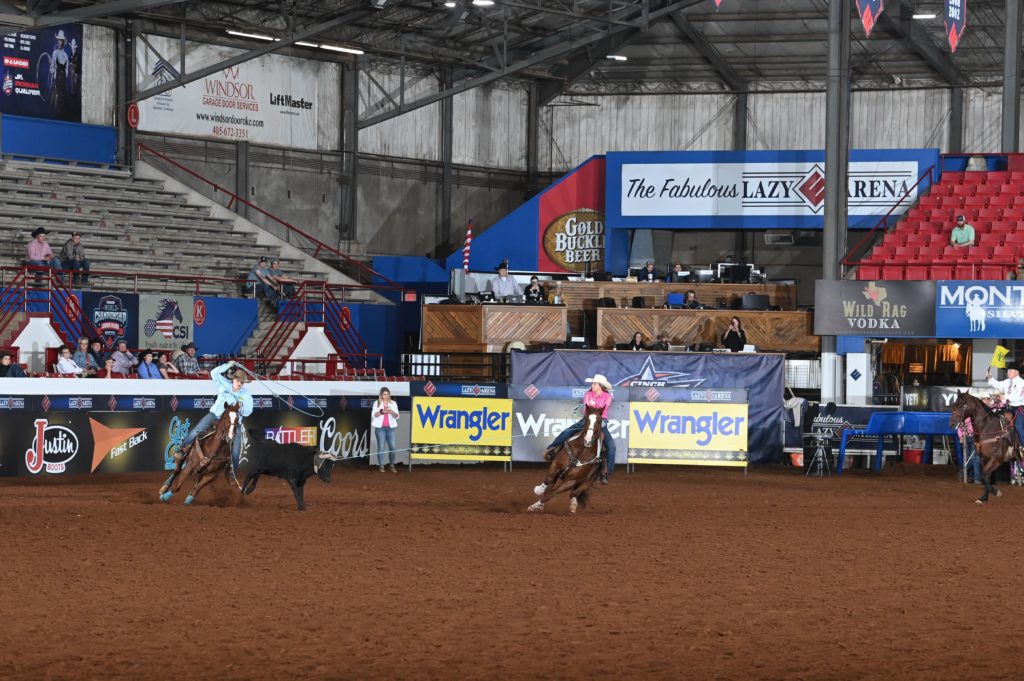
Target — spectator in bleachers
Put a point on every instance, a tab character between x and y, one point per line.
962	235
82	359
66	365
282	283
259	277
108	370
124	361
8	369
97	358
187	362
166	368
147	368
39	253
73	257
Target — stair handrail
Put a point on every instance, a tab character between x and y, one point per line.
320	246
883	224
12	300
285	321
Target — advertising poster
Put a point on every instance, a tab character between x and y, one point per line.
268	100
879	309
166	321
979	309
42	73
461	428
115	316
571	222
542	412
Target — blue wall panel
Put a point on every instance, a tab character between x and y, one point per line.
229	323
58	139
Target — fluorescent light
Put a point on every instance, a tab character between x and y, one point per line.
616	57
450	4
925	15
254	36
483	3
338	48
303	44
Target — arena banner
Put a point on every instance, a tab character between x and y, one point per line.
979	309
829	421
166	321
271	99
756	189
686	426
461	428
761	374
571	235
874	308
42	73
869	11
955	21
115	315
540	413
58	435
432	389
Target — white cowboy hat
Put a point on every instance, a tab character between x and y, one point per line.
599	378
60	35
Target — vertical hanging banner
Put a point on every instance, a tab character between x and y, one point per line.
718	4
956	22
869	11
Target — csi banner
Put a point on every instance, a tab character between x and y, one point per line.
980	309
755	190
461	428
688	433
166	321
541	413
42	73
874	308
269	100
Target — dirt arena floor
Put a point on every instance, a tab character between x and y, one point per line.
441	574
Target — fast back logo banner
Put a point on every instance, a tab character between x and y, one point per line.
874	308
688	433
166	321
269	100
980	309
869	11
760	374
756	189
956	22
572	222
42	73
461	428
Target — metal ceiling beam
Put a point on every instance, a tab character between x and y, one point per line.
898	19
546	8
727	73
580	63
252	54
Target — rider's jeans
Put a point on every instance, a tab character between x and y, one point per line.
973	460
609	443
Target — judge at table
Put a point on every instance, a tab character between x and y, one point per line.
504	286
648	273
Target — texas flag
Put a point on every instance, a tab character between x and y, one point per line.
956	21
869	10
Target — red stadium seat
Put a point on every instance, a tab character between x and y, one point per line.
999	200
966	271
992	272
940	272
917	272
893	272
867	272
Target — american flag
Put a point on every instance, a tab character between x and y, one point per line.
469	241
169	313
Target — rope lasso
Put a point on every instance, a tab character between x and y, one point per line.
266	380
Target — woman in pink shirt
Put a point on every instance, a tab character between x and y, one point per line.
385	419
600	396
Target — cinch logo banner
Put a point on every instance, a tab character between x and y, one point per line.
462	421
688	427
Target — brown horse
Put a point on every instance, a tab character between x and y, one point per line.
575	466
207	457
993	437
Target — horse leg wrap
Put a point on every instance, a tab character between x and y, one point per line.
536	507
166	496
540	489
573	505
189	499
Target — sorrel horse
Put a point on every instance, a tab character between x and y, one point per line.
993	437
207	456
576	465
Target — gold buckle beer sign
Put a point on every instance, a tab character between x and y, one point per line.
575	239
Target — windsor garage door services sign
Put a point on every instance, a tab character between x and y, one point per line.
270	100
756	190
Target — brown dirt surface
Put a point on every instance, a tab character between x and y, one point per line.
671	573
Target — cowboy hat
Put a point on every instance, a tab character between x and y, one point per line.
1013	366
600	379
60	35
39	230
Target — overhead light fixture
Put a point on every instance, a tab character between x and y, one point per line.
339	48
922	16
304	44
254	36
449	4
483	3
617	57
378	4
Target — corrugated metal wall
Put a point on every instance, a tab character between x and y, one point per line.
900	119
574	129
328	118
490	127
777	121
412	135
99	83
983	119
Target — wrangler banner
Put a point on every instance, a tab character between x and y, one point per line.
542	412
461	428
711	432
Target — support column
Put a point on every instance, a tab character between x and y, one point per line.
349	151
447	130
242	177
124	70
739	122
837	155
1011	79
532	138
956	120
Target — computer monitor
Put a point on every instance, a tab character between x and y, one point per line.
457	284
705	276
755	301
736	274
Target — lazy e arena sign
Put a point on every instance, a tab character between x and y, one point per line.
874	308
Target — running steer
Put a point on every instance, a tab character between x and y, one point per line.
291	462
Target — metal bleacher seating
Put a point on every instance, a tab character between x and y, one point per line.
918	247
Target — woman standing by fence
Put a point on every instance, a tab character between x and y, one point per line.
385	420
